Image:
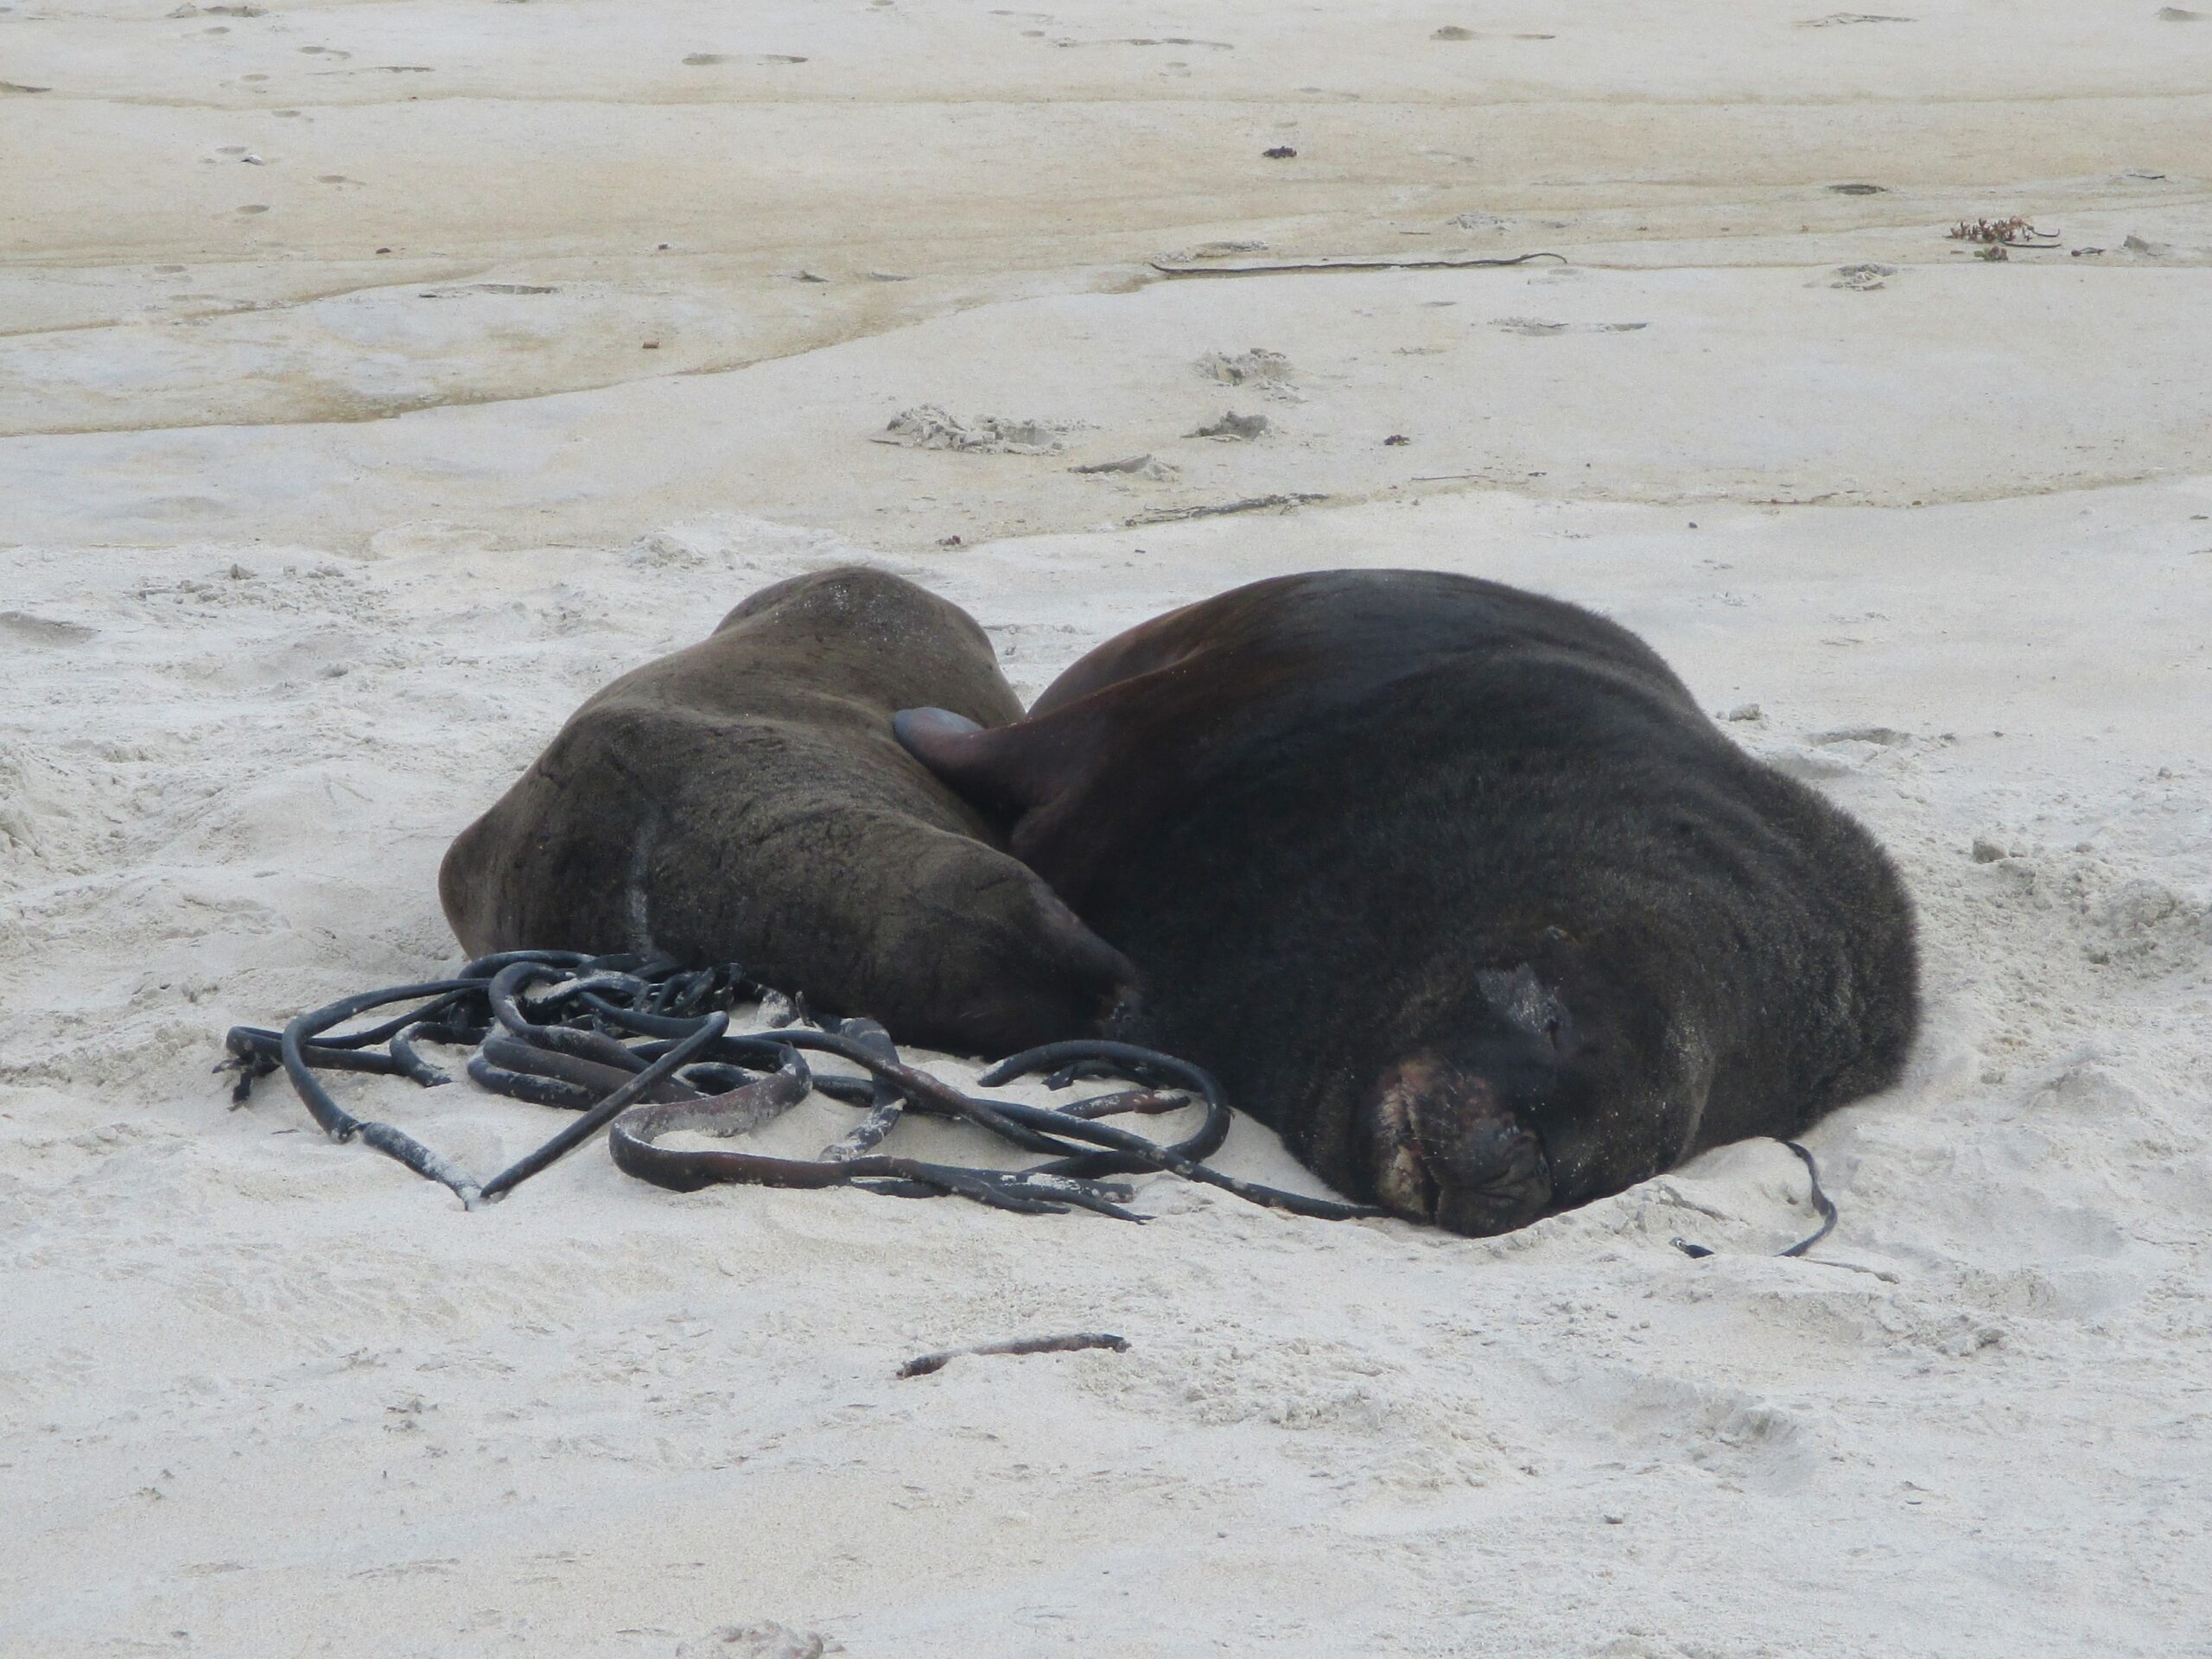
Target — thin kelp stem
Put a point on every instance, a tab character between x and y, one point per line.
886	1104
1822	1204
600	1116
341	1125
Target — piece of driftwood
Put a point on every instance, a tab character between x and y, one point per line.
1249	504
923	1364
1301	267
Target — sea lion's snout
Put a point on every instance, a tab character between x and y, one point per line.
1029	970
1448	1149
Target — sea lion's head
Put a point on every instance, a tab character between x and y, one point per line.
1451	1145
1047	977
993	959
1500	1119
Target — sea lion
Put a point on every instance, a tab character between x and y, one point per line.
1454	886
744	800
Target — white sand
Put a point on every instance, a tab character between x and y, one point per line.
312	547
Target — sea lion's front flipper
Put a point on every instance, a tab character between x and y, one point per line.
1005	772
923	730
947	744
1039	777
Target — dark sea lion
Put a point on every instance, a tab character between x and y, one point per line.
745	800
1454	886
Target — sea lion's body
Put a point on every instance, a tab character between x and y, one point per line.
1454	886
744	800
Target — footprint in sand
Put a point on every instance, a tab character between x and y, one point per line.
1267	372
1234	428
1539	329
1158	472
927	427
24	628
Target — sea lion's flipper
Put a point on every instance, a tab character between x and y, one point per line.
1037	777
920	730
946	743
996	771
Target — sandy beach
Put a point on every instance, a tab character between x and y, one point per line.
380	378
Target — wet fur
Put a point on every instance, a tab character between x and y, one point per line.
1421	864
744	800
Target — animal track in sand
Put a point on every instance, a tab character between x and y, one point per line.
762	1641
1267	372
1143	40
24	628
464	288
1234	428
1158	472
1539	329
927	427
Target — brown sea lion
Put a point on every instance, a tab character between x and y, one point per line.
1454	886
745	800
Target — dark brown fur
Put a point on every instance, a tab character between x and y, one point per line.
1454	886
744	800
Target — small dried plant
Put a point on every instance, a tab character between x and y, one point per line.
2013	232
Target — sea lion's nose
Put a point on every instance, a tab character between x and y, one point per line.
1515	1190
1448	1149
